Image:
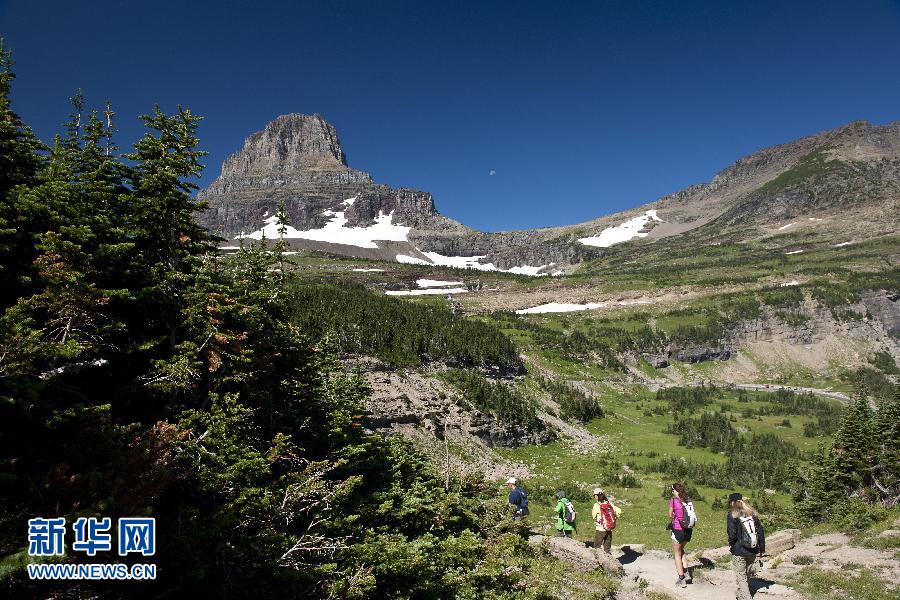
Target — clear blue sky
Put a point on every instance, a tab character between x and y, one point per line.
581	109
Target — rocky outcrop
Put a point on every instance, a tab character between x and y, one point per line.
885	306
874	319
776	543
577	554
298	159
409	398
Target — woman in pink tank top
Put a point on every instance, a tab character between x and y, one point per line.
680	535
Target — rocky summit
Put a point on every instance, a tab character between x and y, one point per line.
825	181
297	159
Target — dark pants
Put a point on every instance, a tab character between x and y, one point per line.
603	539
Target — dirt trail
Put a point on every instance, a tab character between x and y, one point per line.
715	580
709	582
766	387
839	396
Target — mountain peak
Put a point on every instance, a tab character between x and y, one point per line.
289	143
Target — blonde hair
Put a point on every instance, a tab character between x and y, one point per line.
742	506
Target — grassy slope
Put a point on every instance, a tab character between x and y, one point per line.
630	435
636	439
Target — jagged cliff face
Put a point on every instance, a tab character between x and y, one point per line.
847	177
297	159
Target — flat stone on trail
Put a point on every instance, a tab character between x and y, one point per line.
578	554
782	540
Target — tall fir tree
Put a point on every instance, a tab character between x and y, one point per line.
855	446
887	470
167	236
20	162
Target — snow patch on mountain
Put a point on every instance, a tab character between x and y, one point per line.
559	307
428	292
335	231
630	229
468	262
432	283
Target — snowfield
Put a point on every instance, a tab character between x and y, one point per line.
794	252
336	231
468	262
428	292
526	270
431	283
559	307
790	283
842	244
368	270
783	227
628	230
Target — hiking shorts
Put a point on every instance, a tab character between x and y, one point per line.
682	536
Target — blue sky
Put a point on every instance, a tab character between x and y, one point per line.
579	109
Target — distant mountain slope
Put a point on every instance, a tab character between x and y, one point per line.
846	180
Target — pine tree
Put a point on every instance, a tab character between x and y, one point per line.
855	446
887	471
20	162
278	250
817	490
166	233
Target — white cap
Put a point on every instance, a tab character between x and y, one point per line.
511	480
597	491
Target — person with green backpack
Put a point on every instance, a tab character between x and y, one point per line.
565	515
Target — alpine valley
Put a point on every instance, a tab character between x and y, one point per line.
316	384
717	335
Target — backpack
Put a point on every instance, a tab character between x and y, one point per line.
569	513
749	537
689	515
607	516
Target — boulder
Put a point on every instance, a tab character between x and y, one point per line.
578	554
782	540
776	543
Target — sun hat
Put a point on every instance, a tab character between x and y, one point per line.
597	491
511	480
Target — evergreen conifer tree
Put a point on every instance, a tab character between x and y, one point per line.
887	471
20	162
167	237
855	446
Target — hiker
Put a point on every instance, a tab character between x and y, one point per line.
605	514
518	499
565	515
682	520
747	540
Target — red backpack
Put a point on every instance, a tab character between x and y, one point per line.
607	516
